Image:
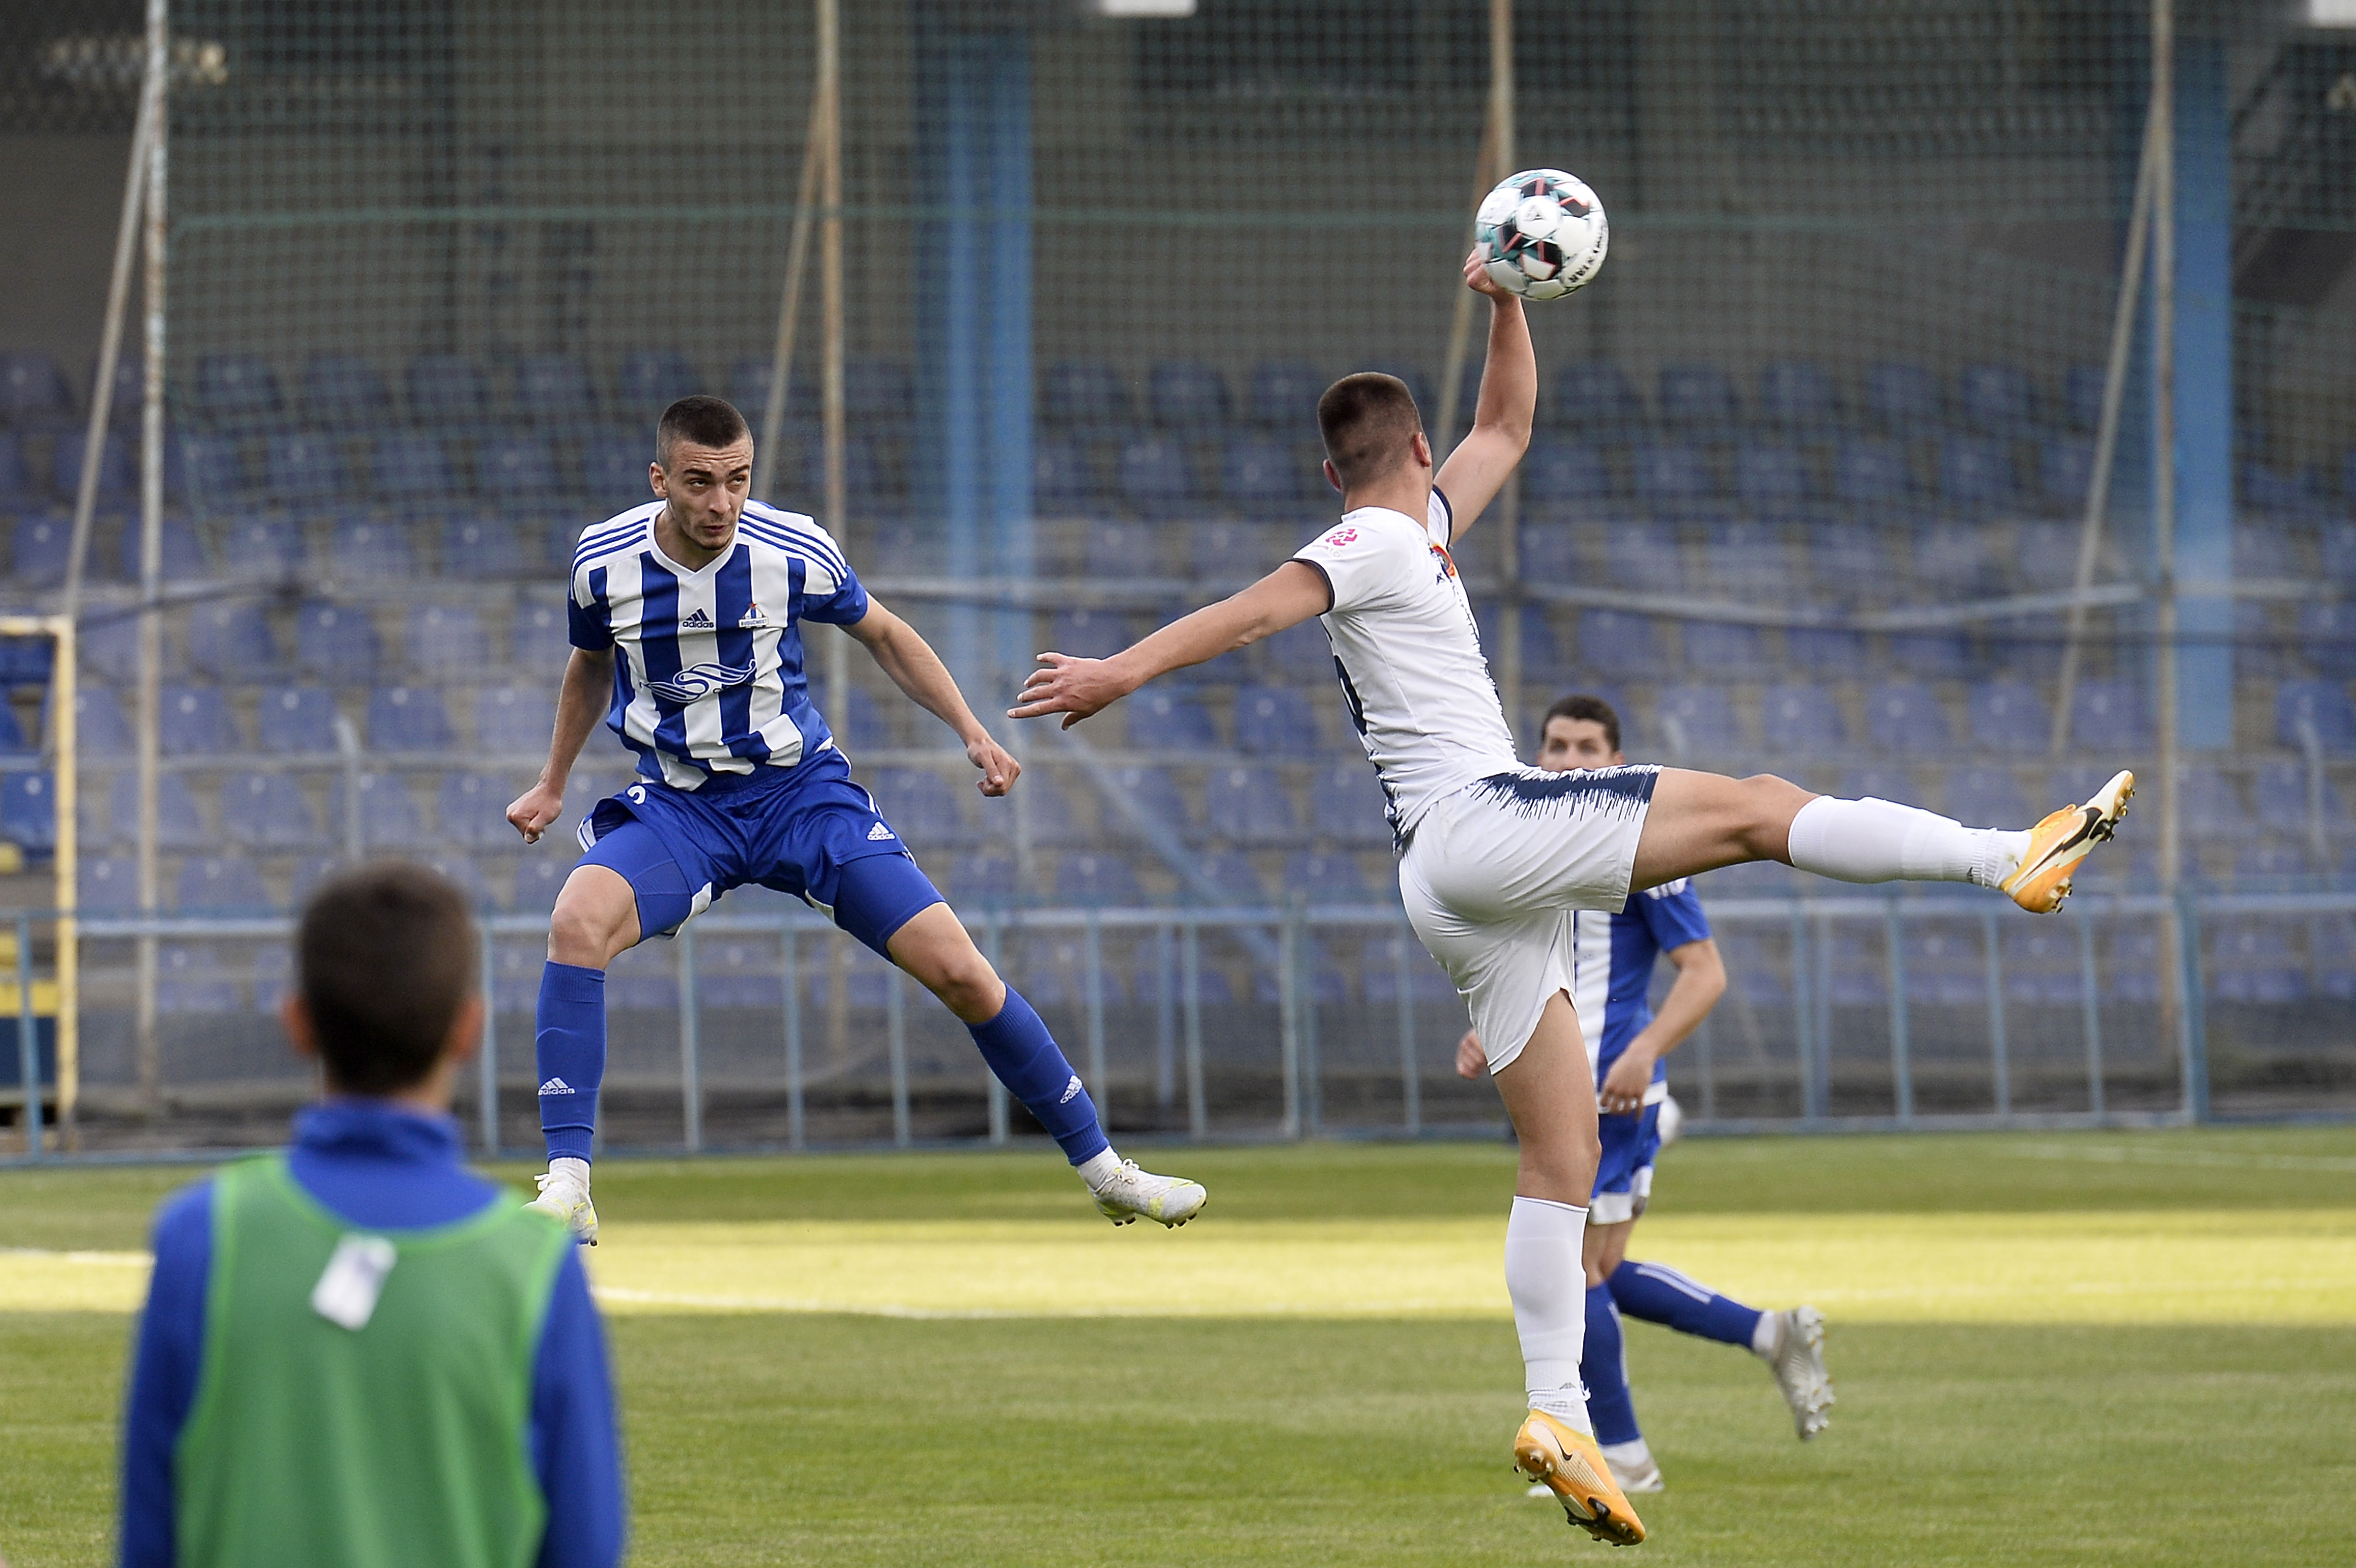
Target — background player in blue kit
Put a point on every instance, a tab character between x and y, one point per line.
686	615
1612	963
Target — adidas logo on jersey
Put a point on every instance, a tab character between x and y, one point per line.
878	834
556	1086
697	619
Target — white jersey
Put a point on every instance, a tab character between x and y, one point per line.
1408	655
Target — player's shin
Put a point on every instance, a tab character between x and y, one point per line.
1881	841
569	1048
1657	1294
1604	1367
1026	1059
1548	1287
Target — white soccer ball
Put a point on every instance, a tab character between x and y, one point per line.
1545	234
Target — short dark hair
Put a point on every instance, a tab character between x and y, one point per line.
1589	710
384	959
1367	419
706	421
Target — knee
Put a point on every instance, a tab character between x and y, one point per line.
965	983
1774	801
579	933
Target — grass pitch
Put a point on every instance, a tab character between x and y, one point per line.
2088	1349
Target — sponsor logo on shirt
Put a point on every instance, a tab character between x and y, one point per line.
1447	563
1342	538
697	619
754	619
698	681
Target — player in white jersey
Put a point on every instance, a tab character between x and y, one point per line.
1494	856
686	630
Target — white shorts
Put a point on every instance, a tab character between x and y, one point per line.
1492	871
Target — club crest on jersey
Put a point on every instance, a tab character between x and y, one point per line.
754	619
1342	538
696	620
698	681
1446	562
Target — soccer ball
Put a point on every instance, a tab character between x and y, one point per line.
1545	233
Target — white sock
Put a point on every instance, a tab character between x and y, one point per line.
1767	1337
1098	1168
1881	841
1549	1286
568	1169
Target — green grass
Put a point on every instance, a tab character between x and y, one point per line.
783	1437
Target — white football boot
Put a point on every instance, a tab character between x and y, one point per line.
1634	1466
564	1198
1125	1194
1798	1363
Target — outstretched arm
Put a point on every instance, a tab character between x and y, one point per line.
1077	688
916	670
1488	455
588	683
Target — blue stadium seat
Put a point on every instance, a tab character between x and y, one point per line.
2277	492
983	879
1097	879
2279	794
540	874
1868	472
1300	653
1249	806
2007	716
476	547
1154	476
2337	547
183	558
1162	721
233	389
878	389
1155	796
118	465
219	885
1347	805
302	467
296	720
388	814
1230	879
1060	475
108	885
740	972
2110	714
1996	399
267	811
612	469
110	646
922	806
2211	807
1988	797
1700	400
33	389
2319	705
1564	478
748	389
336	643
1327	879
1794	718
179	826
1772	478
1645	558
1751	561
1975	471
1904	397
1186	394
553	387
446	390
1542	657
1721	650
12	733
28	813
1275	720
470	810
2257	961
1901	715
2042	964
1698	722
195	720
1931	655
1549	554
1121	550
1285	394
1054	972
1259	473
372	548
212	469
2066	472
101	729
448	641
518	465
2082	396
344	390
411	465
16	473
190	980
1596	397
1669	473
1087	633
1619	644
39	549
862	723
866	474
1798	394
1053	819
408	719
538	640
463	872
2276	861
1946	963
1085	394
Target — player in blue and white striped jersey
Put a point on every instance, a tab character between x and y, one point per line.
1611	961
686	630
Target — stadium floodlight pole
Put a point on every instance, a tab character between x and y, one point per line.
838	648
789	308
151	534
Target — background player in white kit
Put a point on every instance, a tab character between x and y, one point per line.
1612	957
1494	856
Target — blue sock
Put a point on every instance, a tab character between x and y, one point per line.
570	1052
1026	1059
1604	1367
1659	1294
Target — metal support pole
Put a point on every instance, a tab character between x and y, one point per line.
2163	359
790	941
1804	1014
1189	968
1165	1019
65	748
1101	1085
829	91
2089	1003
486	1059
896	1034
1288	991
691	1043
1410	1076
1312	1072
1902	1050
2194	1039
29	1040
2000	1046
1001	1108
151	539
789	308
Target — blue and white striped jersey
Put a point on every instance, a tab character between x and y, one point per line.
708	674
1612	959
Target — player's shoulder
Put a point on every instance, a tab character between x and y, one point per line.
1368	530
621	534
765	527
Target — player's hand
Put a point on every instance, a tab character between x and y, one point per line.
1476	275
1470	1060
1072	688
1622	1093
999	768
534	810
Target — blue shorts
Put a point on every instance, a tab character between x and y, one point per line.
1623	1177
805	830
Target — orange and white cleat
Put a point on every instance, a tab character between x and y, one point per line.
2057	844
1568	1463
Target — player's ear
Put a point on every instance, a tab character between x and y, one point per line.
655	480
1332	478
1422	450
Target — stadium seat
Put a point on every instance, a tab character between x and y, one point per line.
866	475
2337	547
1257	474
1669	475
110	646
1724	651
1595	398
1797	395
1347	805
448	641
539	639
1800	719
101	730
1089	634
1996	399
336	643
408	719
1988	797
1974	473
1121	550
296	720
511	466
2268	491
39	549
343	390
922	807
1047	808
1162	721
1381	963
28	812
553	387
2065	472
1154	476
1564	478
12	733
540	874
1699	399
2110	714
2319	707
1155	795
1542	657
266	810
1647	559
2042	964
371	549
2007	716
1300	653
1619	644
1060	473
1772	478
473	548
1186	394
234	388
1870	471
33	391
219	885
411	465
1275	720
1698	722
470	811
183	554
190	980
1226	878
195	720
118	466
864	724
1751	561
1549	554
108	885
179	826
1903	398
212	469
1285	394
1097	879
1901	715
1083	394
1249	806
300	467
983	879
2276	861
2279	794
2257	961
2211	807
1932	655
16	473
446	390
1326	878
877	390
1946	963
388	814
